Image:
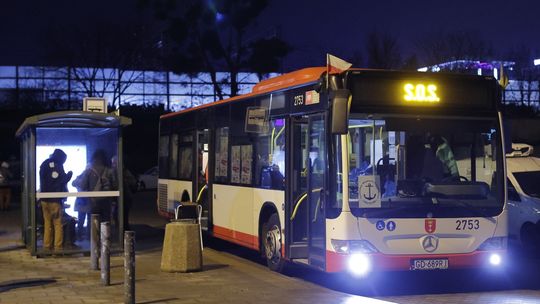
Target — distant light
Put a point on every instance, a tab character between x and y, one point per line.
359	264
495	73
537	62
479	72
219	17
424	69
495	259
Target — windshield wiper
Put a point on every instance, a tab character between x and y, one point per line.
472	207
382	212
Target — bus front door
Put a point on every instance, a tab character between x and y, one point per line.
305	225
316	191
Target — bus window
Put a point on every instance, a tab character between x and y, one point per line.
412	161
270	157
163	156
222	154
185	156
173	163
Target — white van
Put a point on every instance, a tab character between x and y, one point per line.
523	172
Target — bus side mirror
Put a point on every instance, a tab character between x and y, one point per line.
340	111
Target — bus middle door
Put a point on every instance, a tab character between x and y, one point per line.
305	212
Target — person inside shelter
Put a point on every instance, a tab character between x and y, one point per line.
53	178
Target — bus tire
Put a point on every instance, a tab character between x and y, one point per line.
271	233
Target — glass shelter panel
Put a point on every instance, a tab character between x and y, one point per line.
74	178
402	167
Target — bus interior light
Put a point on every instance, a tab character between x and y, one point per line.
346	247
494	243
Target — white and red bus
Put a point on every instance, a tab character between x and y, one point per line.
359	171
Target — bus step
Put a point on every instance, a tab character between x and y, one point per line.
301	261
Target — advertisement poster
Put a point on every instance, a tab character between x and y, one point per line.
246	164
222	165
221	155
235	164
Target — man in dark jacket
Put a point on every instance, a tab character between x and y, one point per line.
53	178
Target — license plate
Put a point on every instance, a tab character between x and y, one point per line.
429	264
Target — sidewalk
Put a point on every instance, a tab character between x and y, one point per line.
10	229
225	278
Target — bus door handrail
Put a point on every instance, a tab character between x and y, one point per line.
301	199
200	193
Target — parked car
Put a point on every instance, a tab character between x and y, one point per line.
523	172
148	180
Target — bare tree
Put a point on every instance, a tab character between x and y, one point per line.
102	58
444	46
383	51
526	76
213	37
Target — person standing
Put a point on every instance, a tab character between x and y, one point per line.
53	178
129	185
82	206
5	186
97	177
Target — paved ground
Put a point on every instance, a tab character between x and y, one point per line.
236	275
226	278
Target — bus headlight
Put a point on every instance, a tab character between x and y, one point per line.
347	247
494	243
495	259
359	264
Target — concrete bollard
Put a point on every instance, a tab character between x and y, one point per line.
106	253
181	247
94	242
129	267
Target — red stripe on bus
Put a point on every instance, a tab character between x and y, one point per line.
237	237
337	262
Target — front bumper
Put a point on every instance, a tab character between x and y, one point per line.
337	262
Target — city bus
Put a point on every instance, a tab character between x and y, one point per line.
365	170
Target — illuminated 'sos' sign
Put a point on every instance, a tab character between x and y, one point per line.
421	93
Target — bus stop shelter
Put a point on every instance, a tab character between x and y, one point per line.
83	137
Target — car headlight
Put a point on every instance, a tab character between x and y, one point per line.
349	247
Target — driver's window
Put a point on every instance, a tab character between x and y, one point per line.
372	152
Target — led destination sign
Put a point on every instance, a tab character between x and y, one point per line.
376	89
421	93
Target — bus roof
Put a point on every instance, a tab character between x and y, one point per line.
288	80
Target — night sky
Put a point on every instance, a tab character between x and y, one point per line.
313	28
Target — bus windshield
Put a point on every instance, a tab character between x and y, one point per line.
433	167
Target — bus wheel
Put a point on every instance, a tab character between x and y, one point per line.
271	232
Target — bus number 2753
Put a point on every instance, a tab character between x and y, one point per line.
467	224
298	100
